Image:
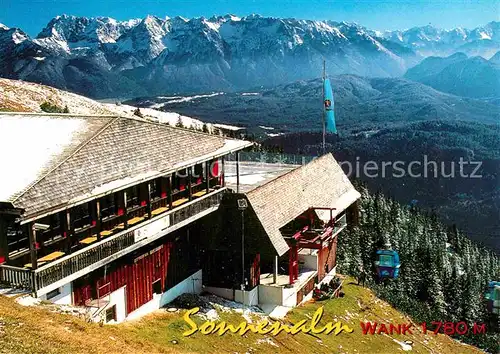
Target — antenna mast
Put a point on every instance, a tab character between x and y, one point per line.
324	108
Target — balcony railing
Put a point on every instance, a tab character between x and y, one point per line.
95	256
16	277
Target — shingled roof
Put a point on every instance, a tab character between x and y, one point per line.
320	183
53	161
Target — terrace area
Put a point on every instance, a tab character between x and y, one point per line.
54	249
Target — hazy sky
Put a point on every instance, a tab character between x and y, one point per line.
33	15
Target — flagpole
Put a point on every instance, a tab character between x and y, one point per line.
324	108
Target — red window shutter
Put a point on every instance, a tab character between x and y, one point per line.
2	259
120	211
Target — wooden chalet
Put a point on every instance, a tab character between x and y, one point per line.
98	210
287	233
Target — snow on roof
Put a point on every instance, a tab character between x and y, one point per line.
51	162
30	145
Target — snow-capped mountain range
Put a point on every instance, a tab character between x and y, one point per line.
431	41
102	57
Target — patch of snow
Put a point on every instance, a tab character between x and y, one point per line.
190	98
297	39
212	315
48	138
227	127
484	35
39	58
248	179
18	37
267	340
266	128
28	300
2	26
212	26
250	94
404	346
274	134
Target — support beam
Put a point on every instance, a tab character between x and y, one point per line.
169	191
33	248
221	171
275	270
237	172
189	181
98	224
125	213
4	245
148	201
293	264
68	229
207	176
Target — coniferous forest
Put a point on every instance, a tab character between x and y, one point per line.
443	275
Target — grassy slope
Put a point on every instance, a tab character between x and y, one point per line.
35	330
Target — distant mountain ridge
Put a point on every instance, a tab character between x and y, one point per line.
431	41
101	57
459	75
360	103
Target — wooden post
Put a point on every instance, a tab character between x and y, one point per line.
33	248
125	213
98	224
293	264
69	230
207	176
275	270
4	244
169	191
221	171
149	200
189	180
237	171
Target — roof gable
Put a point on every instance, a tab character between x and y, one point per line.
320	183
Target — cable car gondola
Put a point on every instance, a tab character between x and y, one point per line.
387	264
493	297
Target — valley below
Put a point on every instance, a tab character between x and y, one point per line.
380	120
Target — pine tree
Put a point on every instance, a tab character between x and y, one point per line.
137	112
205	128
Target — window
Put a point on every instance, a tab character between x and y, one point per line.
81	216
111	314
385	261
133	196
107	204
157	287
155	188
52	294
198	174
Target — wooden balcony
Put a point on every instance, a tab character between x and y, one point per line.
70	267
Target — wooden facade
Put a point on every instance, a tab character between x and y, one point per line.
154	269
73	229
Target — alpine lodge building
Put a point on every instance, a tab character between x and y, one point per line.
122	215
